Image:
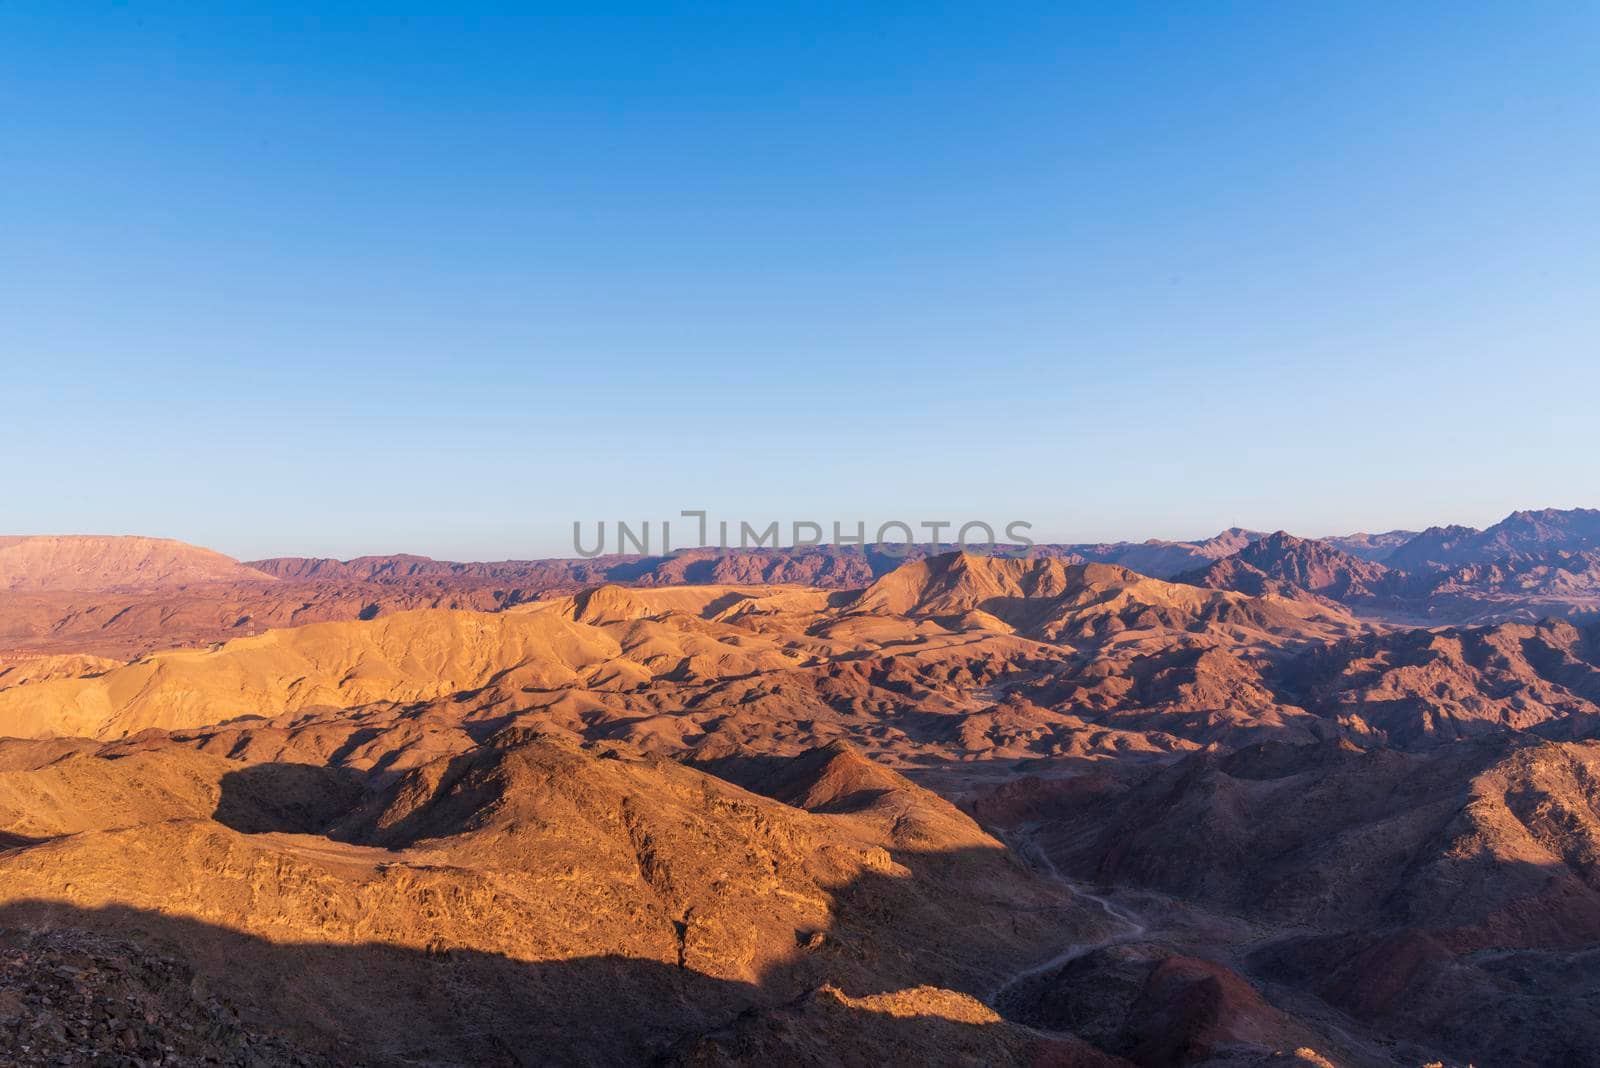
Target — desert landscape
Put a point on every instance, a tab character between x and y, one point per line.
1033	534
1255	799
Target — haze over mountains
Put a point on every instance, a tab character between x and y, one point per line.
1530	565
1289	801
1527	567
32	564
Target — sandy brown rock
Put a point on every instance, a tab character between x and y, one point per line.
714	822
631	901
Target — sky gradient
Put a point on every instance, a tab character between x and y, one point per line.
339	285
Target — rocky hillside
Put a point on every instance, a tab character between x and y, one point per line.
524	898
1283	564
985	809
1520	533
1443	899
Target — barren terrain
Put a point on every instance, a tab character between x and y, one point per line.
802	808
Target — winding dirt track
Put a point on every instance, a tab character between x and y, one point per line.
1025	843
1135	927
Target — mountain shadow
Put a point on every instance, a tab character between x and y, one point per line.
116	984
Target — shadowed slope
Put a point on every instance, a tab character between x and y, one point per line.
591	904
1444	898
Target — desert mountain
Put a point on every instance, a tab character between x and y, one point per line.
1165	559
1063	602
977	808
1520	533
1433	547
524	899
1419	687
823	567
1012	631
1283	564
1558	573
1552	570
1427	898
1374	547
1507	584
951	657
91	563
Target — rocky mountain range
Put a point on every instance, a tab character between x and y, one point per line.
1529	566
1294	801
135	595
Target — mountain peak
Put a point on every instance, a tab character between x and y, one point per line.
1282	563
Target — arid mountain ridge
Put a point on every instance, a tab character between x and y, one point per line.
134	595
971	810
87	563
1526	570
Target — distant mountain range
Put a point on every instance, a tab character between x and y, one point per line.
132	594
1528	566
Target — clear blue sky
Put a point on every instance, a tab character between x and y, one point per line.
342	284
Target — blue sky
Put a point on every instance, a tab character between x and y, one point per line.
289	283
